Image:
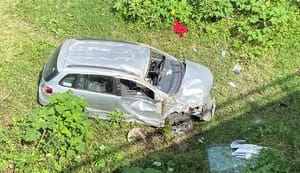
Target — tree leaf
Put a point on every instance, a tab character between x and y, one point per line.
80	147
32	135
66	132
70	153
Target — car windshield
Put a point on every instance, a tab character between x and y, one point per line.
165	72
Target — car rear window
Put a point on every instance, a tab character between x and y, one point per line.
50	69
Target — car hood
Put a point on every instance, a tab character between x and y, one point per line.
194	90
196	85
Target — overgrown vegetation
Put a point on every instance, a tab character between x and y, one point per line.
249	21
56	135
262	35
153	13
61	131
55	138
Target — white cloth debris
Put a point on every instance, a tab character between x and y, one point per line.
244	151
232	84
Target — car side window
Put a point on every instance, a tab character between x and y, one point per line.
68	81
128	87
97	83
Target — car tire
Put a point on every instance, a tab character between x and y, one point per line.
208	110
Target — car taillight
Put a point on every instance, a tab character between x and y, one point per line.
47	90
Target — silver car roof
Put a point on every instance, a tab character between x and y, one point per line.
126	57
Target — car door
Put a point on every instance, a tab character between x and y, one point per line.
139	101
99	91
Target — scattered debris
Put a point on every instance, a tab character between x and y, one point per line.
257	121
232	84
179	28
183	127
244	151
237	69
157	163
220	159
201	140
223	53
231	158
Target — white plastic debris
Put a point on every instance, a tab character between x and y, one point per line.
257	121
201	140
232	84
223	53
237	69
156	163
244	151
195	49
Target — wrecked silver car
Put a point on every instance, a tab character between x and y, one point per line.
147	85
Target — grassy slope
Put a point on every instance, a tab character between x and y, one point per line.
30	30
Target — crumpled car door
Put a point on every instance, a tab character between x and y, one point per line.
144	110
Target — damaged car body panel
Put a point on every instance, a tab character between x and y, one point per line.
147	85
140	101
145	112
193	92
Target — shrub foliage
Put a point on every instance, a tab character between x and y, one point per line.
251	21
61	129
153	12
57	134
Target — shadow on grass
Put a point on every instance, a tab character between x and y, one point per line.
273	123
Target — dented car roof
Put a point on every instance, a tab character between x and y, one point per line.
131	58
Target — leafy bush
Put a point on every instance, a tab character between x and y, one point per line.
61	130
211	11
257	22
259	19
153	12
54	137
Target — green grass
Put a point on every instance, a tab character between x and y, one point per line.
29	30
